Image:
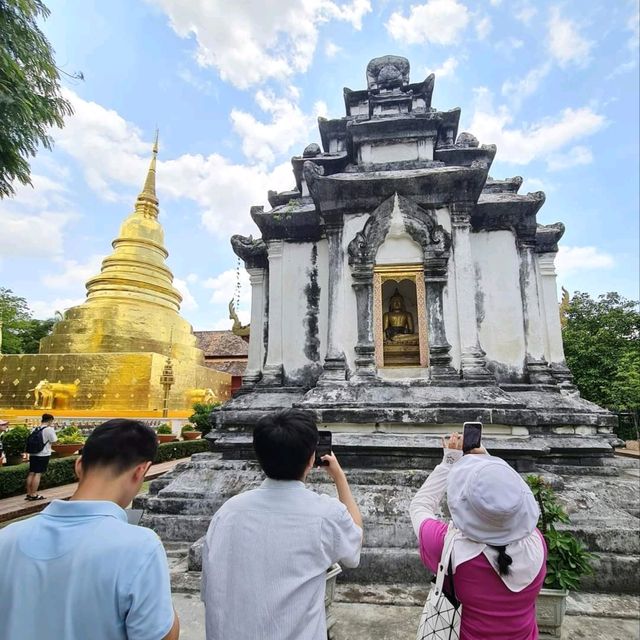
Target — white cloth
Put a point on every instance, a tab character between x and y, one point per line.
48	436
527	554
265	559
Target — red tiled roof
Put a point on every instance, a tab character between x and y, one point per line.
232	367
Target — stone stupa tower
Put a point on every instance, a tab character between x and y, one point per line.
109	353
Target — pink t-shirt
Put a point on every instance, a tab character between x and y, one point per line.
490	611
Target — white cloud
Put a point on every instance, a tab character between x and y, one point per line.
252	41
331	49
536	184
222	190
447	68
435	21
576	156
188	301
507	46
192	278
289	125
519	89
44	309
565	43
525	13
223	288
538	140
34	222
572	260
74	274
495	3
483	27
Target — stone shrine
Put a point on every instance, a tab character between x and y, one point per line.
398	291
398	286
126	350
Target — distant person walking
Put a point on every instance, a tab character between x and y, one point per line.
499	557
39	450
267	550
78	570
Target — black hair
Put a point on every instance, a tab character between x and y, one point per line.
504	559
119	444
284	441
47	417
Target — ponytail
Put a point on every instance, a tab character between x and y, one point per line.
504	560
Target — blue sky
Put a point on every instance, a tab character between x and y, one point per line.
236	88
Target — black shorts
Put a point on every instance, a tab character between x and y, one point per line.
38	464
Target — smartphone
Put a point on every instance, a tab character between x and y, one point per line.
323	448
471	436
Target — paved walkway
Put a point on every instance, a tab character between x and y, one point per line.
18	507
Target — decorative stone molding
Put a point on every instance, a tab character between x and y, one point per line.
253	252
273	368
253	372
547	238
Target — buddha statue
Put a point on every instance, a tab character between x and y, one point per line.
397	323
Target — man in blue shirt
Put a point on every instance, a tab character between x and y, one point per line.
79	571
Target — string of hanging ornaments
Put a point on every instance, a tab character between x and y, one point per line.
238	328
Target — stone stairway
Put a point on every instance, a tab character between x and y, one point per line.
602	501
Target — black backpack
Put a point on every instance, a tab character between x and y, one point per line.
35	440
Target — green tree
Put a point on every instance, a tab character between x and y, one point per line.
30	98
602	349
14	314
20	332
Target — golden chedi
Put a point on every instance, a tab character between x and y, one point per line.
108	354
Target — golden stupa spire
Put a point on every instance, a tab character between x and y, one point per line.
147	201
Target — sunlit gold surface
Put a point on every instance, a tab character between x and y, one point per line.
110	351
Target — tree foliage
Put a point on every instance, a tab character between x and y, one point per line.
20	332
602	349
30	98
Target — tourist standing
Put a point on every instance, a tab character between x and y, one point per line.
4	425
267	551
499	557
78	570
39	449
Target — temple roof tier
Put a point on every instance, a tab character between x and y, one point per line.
509	211
508	185
548	236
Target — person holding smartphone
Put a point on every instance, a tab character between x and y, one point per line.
267	550
499	556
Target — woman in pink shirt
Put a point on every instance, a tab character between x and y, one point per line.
498	557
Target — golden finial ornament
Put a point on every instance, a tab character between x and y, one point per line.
147	201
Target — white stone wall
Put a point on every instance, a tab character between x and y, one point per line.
296	266
499	302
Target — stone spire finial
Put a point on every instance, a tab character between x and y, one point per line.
147	201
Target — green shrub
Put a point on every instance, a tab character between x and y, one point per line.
14	441
70	435
164	430
187	428
567	558
61	470
202	417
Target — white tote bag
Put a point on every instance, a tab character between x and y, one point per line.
441	615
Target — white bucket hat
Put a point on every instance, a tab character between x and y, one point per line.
489	502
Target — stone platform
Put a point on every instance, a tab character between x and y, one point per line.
603	501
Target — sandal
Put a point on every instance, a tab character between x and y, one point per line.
34	498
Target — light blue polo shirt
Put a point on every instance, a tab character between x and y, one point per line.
79	571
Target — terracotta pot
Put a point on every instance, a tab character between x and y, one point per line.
191	435
65	450
166	437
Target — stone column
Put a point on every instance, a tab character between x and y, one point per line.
551	315
534	329
472	357
334	362
253	372
365	349
435	278
272	372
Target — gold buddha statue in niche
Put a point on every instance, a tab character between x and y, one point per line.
397	323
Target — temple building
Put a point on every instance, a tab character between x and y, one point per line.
398	285
224	351
126	349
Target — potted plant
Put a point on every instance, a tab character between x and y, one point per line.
567	560
70	439
164	433
189	432
201	416
14	443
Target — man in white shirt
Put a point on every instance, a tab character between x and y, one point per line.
39	460
267	550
